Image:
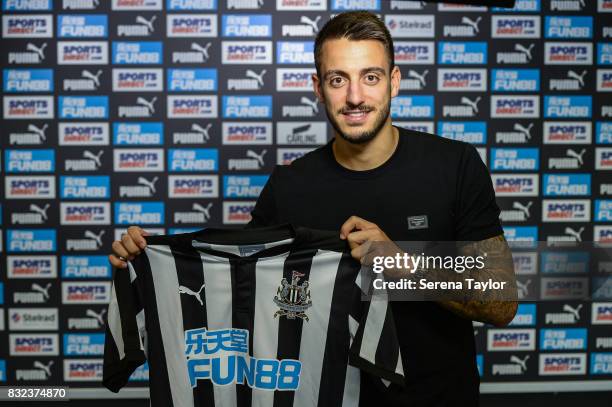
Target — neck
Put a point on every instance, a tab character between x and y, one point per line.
367	156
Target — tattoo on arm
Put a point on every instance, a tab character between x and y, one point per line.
493	306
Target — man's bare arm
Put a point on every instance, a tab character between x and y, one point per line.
491	308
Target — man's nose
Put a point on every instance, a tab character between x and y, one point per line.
354	94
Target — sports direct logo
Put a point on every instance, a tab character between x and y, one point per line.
31	267
562	364
462	80
196	106
33	345
293	79
241	133
601	313
515	106
247	52
86	292
191	25
90	133
27	26
510	339
577	210
564	288
138	159
193	186
515	26
515	185
83	370
29	187
237	212
137	80
414	52
603	158
28	107
567	133
82	53
86	213
604	80
568	53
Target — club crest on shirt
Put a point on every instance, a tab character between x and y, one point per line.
293	299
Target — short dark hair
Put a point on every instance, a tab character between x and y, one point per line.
354	26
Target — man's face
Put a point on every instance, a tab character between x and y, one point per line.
356	87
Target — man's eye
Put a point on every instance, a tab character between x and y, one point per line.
337	81
371	78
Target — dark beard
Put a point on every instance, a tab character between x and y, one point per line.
365	136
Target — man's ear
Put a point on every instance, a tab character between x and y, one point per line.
396	77
316	86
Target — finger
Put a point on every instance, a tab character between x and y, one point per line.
352	223
130	245
116	262
119	250
137	236
355	239
359	252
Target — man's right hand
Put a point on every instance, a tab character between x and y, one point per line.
128	247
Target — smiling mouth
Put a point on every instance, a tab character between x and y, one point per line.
355	115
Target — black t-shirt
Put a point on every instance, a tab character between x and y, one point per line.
427	175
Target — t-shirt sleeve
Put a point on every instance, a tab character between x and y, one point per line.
264	212
477	213
124	344
375	346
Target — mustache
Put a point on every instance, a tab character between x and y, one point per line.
360	108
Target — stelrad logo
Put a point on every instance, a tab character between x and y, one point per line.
411	25
27	26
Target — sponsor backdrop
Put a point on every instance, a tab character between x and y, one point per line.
171	114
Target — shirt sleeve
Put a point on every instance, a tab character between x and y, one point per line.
477	213
375	346
264	212
125	340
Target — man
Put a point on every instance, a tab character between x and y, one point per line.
372	182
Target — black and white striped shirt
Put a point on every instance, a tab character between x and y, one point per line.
258	317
